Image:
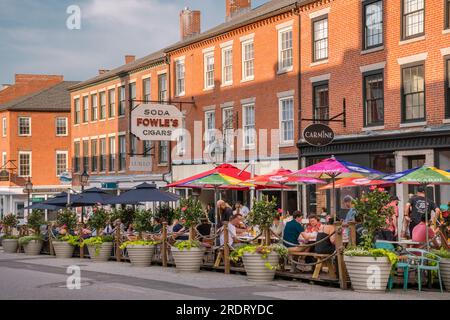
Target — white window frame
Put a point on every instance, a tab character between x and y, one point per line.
4	126
66	125
180	76
227	133
94	107
244	126
281	120
59	152
4	158
224	66
210	133
326	39
280	49
181	139
206	56
18	127
245	76
31	164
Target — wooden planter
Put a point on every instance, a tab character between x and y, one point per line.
445	272
63	250
368	274
33	248
102	254
140	256
188	260
10	245
256	268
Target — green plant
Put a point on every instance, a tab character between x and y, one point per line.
73	240
370	252
192	211
264	251
143	221
443	253
138	243
68	218
98	219
9	237
9	222
165	213
125	215
96	242
262	215
187	244
27	239
35	219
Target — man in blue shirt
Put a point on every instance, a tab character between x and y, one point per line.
293	229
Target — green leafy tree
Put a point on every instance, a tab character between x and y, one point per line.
191	210
262	215
9	222
126	215
143	221
98	220
34	221
68	218
165	213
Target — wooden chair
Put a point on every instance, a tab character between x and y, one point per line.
319	266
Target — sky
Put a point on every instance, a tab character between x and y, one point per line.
34	37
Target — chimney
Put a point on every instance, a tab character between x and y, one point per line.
129	58
4	86
102	71
189	23
236	7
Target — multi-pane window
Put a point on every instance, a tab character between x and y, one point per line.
61	162
248	60
287	120
102	154
162	87
179	77
94	153
228	130
373	23
249	125
24	164
285	56
146	90
86	109
122	98
133	144
132	88
209	70
147	145
112	103
76	103
94	107
374	98
76	160
321	101
413	93
447	89
112	154
320	39
227	65
413	18
102	96
163	152
61	126
24	126
4	126
122	152
86	155
447	14
210	128
181	139
4	159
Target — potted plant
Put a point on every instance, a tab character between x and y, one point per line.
188	254
33	244
165	213
140	251
9	242
125	215
261	261
99	247
444	266
369	268
65	244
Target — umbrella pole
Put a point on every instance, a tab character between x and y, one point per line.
333	197
426	218
217	210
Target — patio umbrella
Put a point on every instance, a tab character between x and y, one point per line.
144	193
354	182
61	199
332	168
425	175
43	206
91	197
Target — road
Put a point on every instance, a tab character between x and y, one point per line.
44	277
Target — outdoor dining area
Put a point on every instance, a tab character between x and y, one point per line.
365	247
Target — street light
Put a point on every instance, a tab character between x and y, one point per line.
29	189
84	178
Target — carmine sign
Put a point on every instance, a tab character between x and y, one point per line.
155	122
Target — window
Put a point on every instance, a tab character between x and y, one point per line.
112	154
122	152
133	144
112	103
413	93
163	152
227	65
181	139
374	98
162	87
132	88
228	131
287	120
249	125
102	154
102	105
61	162
285	56
86	155
320	39
76	151
373	23
447	14
4	159
148	148
24	164
4	126
94	107
248	60
77	119
179	77
413	18
94	153
321	102
122	99
447	88
85	109
61	126
24	126
146	90
210	128
209	70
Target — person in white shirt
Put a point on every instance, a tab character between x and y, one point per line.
241	209
232	235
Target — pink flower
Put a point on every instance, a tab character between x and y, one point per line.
372	188
381	189
95	209
184	209
280	210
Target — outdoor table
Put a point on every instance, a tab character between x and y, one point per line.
402	243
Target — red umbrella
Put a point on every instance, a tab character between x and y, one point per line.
281	176
355	182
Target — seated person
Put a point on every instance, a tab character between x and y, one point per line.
204	230
326	246
233	241
158	225
419	234
180	230
241	226
292	231
310	234
277	226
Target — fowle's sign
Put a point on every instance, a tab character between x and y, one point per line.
318	135
155	122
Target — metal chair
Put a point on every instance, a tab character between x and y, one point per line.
400	265
423	260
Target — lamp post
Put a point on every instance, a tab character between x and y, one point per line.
29	189
84	178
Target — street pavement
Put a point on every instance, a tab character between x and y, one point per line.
44	277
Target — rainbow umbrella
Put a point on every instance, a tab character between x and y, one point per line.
355	182
215	180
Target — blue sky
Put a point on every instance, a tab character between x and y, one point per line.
34	37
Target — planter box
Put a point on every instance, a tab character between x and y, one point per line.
368	274
256	269
63	250
188	260
33	248
445	272
102	254
140	256
10	245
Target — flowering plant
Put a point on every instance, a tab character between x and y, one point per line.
191	210
98	219
264	251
